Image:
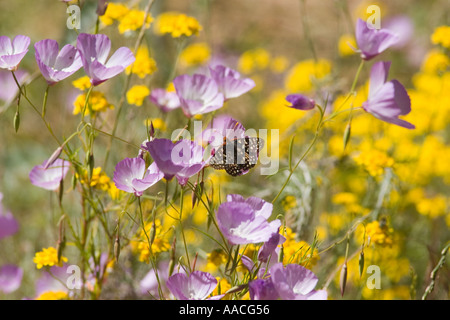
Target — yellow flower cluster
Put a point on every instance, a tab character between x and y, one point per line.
96	103
52	295
259	59
128	19
441	36
82	83
195	54
160	243
144	64
137	94
177	24
101	181
379	233
374	161
304	75
299	252
432	207
48	257
158	123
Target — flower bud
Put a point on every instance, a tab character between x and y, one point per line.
343	278
17	121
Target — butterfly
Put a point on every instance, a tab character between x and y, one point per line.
237	156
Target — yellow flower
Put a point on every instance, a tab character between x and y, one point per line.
96	102
435	62
303	75
345	198
222	286
160	243
133	20
82	83
137	94
289	202
215	259
346	44
377	233
279	64
298	251
374	161
52	295
48	257
99	179
143	65
158	123
254	60
177	24
432	207
114	11
441	35
195	54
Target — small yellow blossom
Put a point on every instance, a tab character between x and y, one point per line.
435	62
432	207
133	20
303	75
346	45
195	54
254	60
160	243
158	123
441	35
82	83
177	24
378	233
53	295
222	286
215	259
298	251
114	12
96	102
137	94
374	161
48	257
289	202
279	64
144	65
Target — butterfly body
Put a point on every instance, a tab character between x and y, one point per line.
237	156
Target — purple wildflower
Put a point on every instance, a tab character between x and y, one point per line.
198	94
54	65
131	175
230	82
181	159
94	50
295	282
165	100
244	221
372	42
387	100
269	247
11	53
292	282
197	286
300	102
401	25
8	224
51	177
10	278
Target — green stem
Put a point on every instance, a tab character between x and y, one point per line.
44	103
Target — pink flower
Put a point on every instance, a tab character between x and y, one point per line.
94	50
131	175
387	100
198	94
11	53
50	177
372	42
56	66
230	82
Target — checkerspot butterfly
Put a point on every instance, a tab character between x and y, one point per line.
237	156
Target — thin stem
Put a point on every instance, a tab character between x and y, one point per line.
306	29
44	103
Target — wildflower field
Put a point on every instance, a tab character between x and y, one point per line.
224	150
